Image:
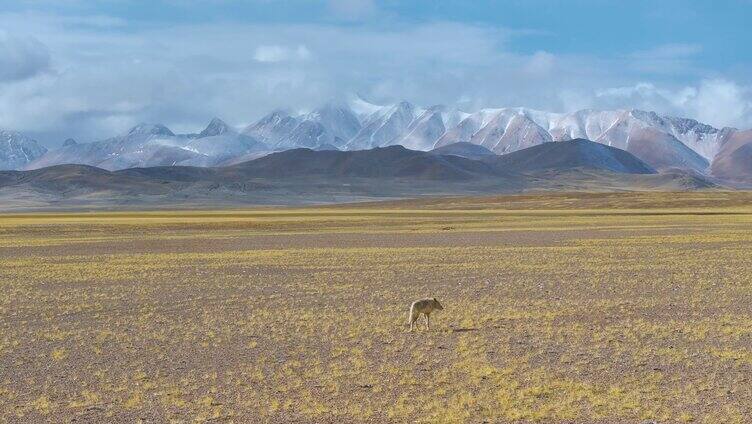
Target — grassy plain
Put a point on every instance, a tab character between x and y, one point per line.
559	308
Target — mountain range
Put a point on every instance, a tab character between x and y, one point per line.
664	143
302	175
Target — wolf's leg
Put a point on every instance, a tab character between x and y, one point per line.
413	318
428	321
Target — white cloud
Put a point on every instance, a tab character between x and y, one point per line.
98	80
669	51
717	102
667	59
541	63
22	57
643	95
270	54
352	9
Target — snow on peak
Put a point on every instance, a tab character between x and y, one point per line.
359	124
151	129
216	127
18	150
362	107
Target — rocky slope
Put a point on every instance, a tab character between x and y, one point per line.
663	142
17	150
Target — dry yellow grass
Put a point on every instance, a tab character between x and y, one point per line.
299	315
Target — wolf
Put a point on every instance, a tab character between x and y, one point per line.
425	307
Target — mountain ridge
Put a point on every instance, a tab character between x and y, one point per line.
308	176
571	154
663	142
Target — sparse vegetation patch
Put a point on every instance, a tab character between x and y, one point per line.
585	315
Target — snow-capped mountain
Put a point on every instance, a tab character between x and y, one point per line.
216	128
500	130
330	126
155	145
17	150
384	126
734	160
219	143
663	142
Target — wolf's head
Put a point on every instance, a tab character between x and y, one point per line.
437	305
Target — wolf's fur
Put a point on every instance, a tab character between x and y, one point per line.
425	307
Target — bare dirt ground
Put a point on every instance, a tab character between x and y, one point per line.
578	308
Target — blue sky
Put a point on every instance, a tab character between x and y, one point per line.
92	68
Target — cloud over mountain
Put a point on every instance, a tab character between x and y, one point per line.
22	57
93	69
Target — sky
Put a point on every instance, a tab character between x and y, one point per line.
91	69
